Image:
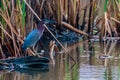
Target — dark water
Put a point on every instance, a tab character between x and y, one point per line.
93	62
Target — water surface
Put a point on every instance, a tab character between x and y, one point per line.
91	63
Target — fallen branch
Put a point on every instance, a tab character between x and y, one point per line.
74	29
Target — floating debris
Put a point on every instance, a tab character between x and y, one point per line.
105	57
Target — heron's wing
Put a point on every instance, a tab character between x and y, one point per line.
32	38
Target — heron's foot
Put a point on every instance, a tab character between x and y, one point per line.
41	52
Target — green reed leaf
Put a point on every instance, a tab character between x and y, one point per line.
23	13
105	6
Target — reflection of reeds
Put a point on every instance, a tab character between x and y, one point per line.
108	51
108	47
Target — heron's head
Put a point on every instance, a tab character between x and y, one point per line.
40	25
44	21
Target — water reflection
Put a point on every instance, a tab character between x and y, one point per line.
101	63
88	65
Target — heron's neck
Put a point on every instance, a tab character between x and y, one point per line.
41	28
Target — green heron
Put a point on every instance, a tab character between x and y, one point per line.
34	36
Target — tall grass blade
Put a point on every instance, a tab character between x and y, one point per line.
105	6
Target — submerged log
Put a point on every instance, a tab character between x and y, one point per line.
29	62
27	59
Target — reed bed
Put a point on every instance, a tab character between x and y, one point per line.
16	20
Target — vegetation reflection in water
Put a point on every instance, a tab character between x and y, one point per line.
99	66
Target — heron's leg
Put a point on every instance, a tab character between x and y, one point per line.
40	48
34	50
